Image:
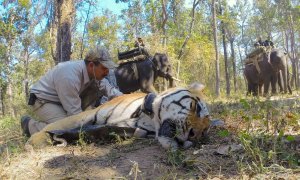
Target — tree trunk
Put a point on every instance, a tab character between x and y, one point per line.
293	60
11	107
226	63
9	89
225	56
294	51
84	31
287	49
233	64
195	3
216	48
164	22
65	13
26	63
297	73
178	69
1	101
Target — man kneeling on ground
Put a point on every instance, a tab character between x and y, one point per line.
62	91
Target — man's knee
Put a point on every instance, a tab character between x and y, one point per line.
50	112
46	113
35	126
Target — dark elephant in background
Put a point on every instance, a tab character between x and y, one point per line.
272	72
141	75
279	62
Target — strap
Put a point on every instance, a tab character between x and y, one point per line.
147	107
135	70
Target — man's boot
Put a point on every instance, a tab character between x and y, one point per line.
24	125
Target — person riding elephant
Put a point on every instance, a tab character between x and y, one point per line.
268	42
255	55
269	73
139	43
259	42
269	45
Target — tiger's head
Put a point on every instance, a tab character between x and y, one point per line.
199	118
198	124
180	115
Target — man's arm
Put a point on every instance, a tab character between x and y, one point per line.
106	89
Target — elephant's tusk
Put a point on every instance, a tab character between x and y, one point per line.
174	78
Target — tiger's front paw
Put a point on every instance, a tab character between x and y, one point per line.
139	133
187	144
168	143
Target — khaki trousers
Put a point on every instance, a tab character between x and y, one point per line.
47	113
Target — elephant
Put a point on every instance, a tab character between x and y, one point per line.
141	75
279	62
271	72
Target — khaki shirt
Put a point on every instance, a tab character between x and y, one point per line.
64	83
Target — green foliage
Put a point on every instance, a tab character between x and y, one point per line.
24	3
7	123
11	141
265	137
175	158
81	141
117	137
245	103
103	30
223	133
290	138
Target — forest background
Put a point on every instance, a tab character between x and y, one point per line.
206	41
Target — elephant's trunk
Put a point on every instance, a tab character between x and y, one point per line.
170	78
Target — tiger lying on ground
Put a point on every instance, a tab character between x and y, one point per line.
176	116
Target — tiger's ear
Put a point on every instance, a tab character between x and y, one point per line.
197	89
196	86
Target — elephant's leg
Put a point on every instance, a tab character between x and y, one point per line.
147	85
249	91
266	86
260	87
274	80
280	81
255	89
284	72
149	89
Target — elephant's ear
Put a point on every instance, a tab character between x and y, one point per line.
157	61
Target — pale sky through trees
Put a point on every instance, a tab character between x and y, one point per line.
112	5
117	7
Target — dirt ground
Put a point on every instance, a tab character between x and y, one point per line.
136	159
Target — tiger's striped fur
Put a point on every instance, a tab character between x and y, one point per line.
179	114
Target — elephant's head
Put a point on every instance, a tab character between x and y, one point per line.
163	67
278	60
